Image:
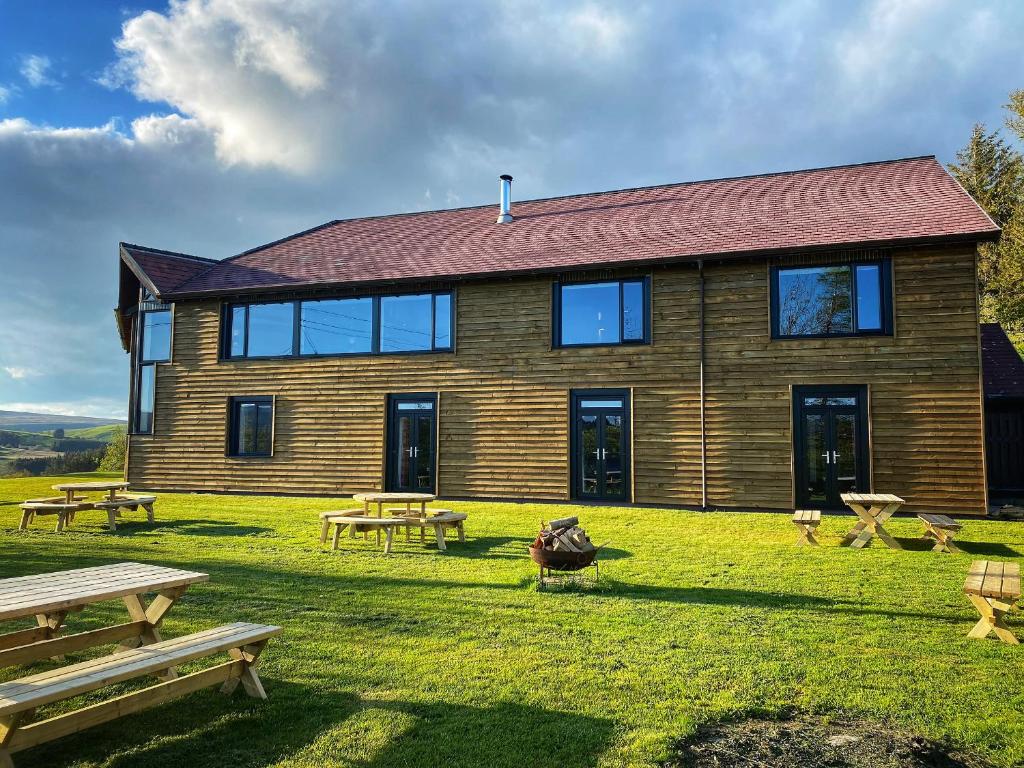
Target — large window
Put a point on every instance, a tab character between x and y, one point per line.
589	314
251	426
840	300
156	335
420	322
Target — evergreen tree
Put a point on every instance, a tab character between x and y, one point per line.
992	171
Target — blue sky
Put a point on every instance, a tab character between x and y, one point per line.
210	126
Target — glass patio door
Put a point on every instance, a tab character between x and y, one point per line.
412	424
599	453
830	445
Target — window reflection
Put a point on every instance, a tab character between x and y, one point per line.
271	329
815	301
831	300
405	323
156	335
601	313
336	327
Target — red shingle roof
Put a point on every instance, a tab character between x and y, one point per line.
912	200
163	270
1001	364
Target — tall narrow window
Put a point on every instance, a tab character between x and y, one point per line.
590	314
145	399
840	300
251	426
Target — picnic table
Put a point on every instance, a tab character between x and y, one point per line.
70	489
50	597
993	589
408	499
873	509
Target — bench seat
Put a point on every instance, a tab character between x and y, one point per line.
64	511
18	698
114	506
993	589
940	529
807	522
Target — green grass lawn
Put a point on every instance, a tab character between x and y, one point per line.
429	659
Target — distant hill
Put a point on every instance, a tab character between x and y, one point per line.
20	421
104	432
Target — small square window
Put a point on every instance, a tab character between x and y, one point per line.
251	427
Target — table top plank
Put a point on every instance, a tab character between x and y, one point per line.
93	486
871	498
976	577
25	596
398	498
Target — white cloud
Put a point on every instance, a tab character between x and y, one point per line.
5	94
18	372
36	68
271	117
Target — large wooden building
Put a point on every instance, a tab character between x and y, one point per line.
764	342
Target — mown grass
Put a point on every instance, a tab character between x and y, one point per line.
428	659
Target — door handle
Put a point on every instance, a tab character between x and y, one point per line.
416	452
411	454
825	456
835	457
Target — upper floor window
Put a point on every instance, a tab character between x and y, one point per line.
154	329
837	300
419	322
612	312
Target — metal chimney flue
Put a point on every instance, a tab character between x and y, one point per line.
505	214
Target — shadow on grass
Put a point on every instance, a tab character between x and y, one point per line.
481	547
209	729
989	548
506	735
992	549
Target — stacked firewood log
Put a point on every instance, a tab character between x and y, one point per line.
564	535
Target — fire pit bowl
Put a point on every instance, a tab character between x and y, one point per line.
562	560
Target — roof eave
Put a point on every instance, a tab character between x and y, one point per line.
990	235
138	271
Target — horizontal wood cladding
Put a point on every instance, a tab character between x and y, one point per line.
503	411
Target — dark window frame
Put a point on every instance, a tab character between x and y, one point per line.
143	312
232	441
227	330
556	312
147	303
886	308
137	401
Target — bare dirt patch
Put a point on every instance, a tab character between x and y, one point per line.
811	743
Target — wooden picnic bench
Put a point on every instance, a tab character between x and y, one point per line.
63	510
941	529
438	519
807	522
48	598
993	589
873	509
20	698
114	506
